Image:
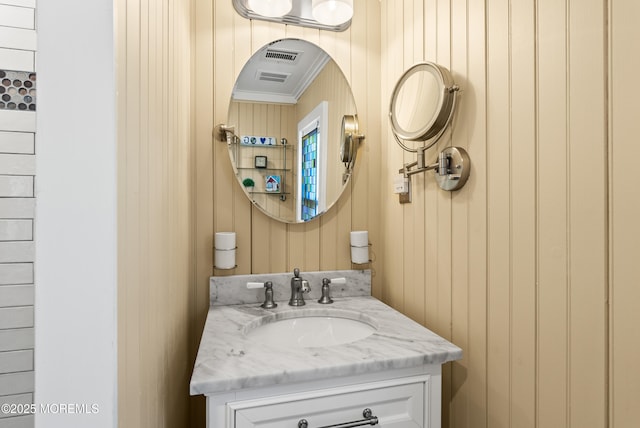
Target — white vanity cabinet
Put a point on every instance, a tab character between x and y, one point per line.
397	402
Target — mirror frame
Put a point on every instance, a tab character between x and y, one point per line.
348	146
434	127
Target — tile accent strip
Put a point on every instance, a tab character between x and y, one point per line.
17	90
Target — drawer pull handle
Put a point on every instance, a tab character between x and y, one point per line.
369	419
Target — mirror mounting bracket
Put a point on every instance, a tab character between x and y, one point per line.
225	133
419	164
451	169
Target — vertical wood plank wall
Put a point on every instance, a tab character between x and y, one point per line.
624	212
532	267
154	212
519	266
17	211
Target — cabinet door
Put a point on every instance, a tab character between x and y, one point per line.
401	406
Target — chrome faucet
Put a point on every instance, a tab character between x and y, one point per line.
299	286
268	293
326	291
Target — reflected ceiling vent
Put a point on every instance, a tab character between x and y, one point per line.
271	76
275	55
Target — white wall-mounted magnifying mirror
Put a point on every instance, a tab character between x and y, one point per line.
287	130
422	105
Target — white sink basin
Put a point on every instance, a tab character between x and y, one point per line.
310	331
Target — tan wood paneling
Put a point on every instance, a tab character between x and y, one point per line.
552	210
587	207
414	273
366	201
624	350
498	221
515	269
202	123
154	212
522	78
392	246
469	381
128	297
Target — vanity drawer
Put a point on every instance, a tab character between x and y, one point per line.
395	405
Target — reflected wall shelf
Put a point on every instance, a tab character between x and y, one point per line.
245	158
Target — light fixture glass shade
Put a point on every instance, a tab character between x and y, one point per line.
332	12
272	8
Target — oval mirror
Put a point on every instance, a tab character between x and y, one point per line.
287	146
422	104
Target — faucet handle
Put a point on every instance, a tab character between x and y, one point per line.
255	285
326	297
268	293
296	273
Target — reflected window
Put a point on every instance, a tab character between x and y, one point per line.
309	169
312	163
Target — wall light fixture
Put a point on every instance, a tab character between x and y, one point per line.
330	15
271	8
332	12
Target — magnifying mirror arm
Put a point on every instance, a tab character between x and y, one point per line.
409	172
419	164
451	169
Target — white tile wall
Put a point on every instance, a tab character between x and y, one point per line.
14	399
12	59
16	339
18	164
17	17
17	121
16	295
16	230
16	383
17	142
17	203
23	3
16	273
17	38
16	252
16	317
16	186
16	361
17	208
18	422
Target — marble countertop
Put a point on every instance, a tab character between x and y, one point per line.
228	361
